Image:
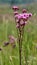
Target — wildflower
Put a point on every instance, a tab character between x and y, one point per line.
20	17
15	13
15	8
24	11
25	18
25	14
30	14
22	23
6	43
11	39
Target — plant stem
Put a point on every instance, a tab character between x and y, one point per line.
19	52
20	45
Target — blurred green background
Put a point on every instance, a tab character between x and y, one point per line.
17	1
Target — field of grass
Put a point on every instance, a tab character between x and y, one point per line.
10	55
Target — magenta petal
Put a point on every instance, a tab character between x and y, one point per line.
22	23
24	18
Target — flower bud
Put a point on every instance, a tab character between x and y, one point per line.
30	14
24	11
15	8
15	13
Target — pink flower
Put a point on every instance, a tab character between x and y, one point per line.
22	23
30	14
11	39
15	8
15	13
24	11
26	14
20	16
25	18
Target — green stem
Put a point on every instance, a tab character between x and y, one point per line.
20	46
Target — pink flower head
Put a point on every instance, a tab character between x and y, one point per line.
11	39
22	23
26	14
20	16
17	26
24	11
30	14
15	8
15	13
16	16
25	18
